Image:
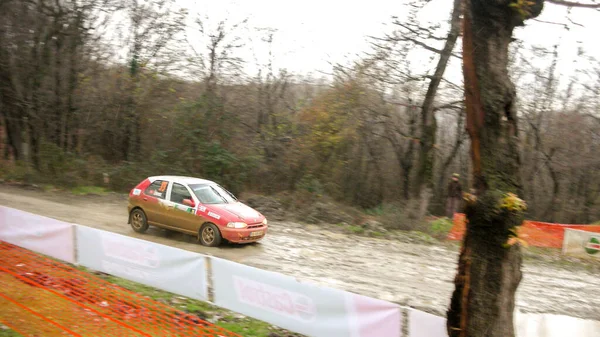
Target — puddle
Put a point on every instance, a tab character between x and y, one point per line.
547	325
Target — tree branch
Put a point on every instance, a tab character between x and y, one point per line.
573	4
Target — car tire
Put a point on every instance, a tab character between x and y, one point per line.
209	235
138	220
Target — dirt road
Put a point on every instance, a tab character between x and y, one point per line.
416	275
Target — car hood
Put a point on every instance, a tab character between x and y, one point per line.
241	211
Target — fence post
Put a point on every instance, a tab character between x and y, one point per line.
75	250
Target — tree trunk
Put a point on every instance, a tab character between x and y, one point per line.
406	181
54	133
405	158
71	117
132	122
34	145
13	135
489	270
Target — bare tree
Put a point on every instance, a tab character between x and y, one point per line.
411	33
428	122
154	27
215	55
271	97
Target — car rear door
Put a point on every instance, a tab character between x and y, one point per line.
180	215
153	201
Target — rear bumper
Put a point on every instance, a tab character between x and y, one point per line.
243	235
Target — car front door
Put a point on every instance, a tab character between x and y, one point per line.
180	215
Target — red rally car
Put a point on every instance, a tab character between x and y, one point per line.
194	206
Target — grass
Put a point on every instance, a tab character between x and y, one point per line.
422	237
356	229
375	211
6	332
377	234
439	228
245	326
426	232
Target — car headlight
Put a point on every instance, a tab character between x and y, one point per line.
237	225
265	221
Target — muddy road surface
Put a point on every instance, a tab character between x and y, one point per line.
413	274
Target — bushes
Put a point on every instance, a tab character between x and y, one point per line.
19	171
60	168
402	216
226	168
57	167
125	176
310	184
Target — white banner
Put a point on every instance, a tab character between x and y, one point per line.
304	308
170	269
422	324
37	233
581	243
369	317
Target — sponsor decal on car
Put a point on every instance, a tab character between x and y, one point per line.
185	208
163	186
214	215
201	209
274	299
136	191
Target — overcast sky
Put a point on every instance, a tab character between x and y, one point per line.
312	33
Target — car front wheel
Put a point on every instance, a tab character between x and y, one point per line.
209	235
139	222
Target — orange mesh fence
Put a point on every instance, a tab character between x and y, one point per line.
42	297
535	233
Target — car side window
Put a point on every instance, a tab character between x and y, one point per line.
179	193
157	189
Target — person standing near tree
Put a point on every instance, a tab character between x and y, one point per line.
454	196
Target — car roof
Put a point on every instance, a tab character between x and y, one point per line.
182	180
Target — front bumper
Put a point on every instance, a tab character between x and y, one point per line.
243	235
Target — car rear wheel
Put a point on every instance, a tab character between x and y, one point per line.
210	235
139	222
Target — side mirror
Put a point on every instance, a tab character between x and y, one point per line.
189	202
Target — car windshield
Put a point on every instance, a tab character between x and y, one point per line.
212	194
